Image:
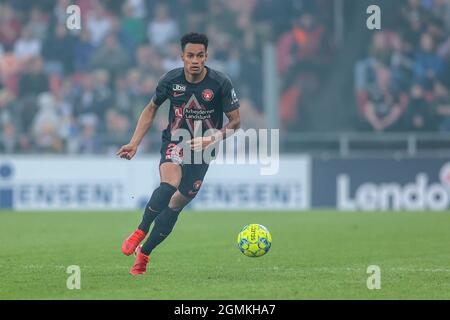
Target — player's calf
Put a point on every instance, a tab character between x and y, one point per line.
165	222
158	201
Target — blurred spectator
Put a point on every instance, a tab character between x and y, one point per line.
84	98
58	51
125	40
250	72
251	117
134	82
68	129
89	142
162	29
429	65
441	106
224	20
148	88
27	108
419	114
60	12
110	56
137	8
122	98
132	23
33	80
95	97
118	129
148	61
172	58
83	50
9	139
10	25
402	65
8	110
302	44
289	102
38	24
27	46
213	62
46	125
382	107
10	67
413	18
99	24
441	10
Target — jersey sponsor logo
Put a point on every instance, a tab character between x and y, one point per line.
179	88
192	111
198	114
207	95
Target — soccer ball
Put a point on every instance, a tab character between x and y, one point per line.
254	240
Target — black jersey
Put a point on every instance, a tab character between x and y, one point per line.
204	101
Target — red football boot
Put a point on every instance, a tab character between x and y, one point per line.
140	265
130	244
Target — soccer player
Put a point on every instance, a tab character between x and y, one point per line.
196	93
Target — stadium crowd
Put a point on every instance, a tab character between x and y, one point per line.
81	91
404	82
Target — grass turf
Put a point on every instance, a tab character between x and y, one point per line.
315	255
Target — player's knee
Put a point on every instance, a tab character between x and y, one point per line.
178	202
161	197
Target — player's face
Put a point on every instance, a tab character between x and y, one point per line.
194	57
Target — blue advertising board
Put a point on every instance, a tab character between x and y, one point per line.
381	184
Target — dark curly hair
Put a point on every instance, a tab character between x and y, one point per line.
193	37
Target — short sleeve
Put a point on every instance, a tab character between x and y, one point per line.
162	91
230	100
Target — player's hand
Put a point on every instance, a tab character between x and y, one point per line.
127	151
200	143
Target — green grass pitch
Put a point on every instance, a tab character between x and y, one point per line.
314	255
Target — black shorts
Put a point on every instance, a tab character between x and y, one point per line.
192	174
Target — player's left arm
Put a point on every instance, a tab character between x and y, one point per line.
234	123
230	106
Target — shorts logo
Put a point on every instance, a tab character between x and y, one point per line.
207	95
195	187
179	88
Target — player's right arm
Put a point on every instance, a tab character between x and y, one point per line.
144	123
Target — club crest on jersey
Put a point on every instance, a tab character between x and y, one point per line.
207	95
179	88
